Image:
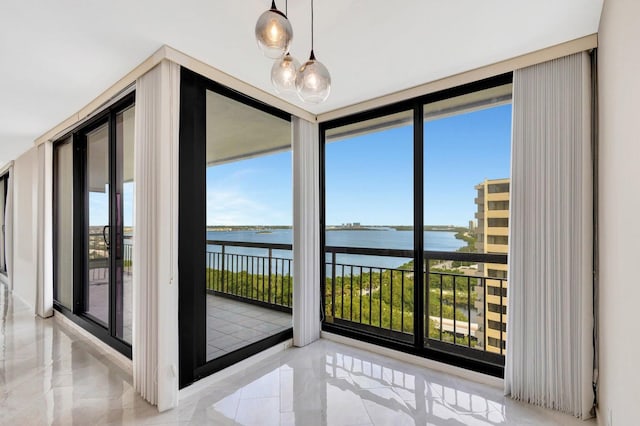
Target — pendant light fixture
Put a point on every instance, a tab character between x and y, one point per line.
285	70
313	81
273	33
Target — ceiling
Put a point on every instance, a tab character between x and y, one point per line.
58	55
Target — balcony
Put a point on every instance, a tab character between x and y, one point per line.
499	230
498	196
249	293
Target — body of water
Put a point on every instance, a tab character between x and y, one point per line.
385	239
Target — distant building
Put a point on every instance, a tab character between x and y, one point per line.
492	233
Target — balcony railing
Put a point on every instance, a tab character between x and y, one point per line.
99	255
379	300
251	272
364	295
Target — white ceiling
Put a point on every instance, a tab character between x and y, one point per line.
57	55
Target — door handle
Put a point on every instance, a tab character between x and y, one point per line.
104	235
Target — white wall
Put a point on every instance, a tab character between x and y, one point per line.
619	209
25	248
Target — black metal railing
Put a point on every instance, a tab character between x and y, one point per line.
127	254
99	255
251	272
379	300
363	294
464	276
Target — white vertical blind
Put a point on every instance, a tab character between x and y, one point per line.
550	316
155	246
44	293
306	232
64	223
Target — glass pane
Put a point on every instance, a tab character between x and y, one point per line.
467	150
369	204
125	190
97	291
249	286
63	182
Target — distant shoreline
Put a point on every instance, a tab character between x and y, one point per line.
267	228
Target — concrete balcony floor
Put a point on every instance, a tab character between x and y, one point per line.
50	374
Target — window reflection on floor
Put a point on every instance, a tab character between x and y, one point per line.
327	383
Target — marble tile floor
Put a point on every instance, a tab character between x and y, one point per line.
51	375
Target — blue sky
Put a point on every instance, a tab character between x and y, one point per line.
255	191
99	205
369	178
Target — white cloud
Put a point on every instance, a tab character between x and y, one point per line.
232	207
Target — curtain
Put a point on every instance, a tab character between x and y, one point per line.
44	293
155	246
550	315
306	232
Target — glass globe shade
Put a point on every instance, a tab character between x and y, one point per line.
283	74
313	82
274	33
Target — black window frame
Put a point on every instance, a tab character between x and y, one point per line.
80	237
192	230
488	363
4	181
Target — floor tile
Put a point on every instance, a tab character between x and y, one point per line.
49	374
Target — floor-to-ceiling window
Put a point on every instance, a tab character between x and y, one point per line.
416	224
369	226
235	229
249	233
93	224
467	161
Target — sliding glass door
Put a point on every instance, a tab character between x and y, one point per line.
93	223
